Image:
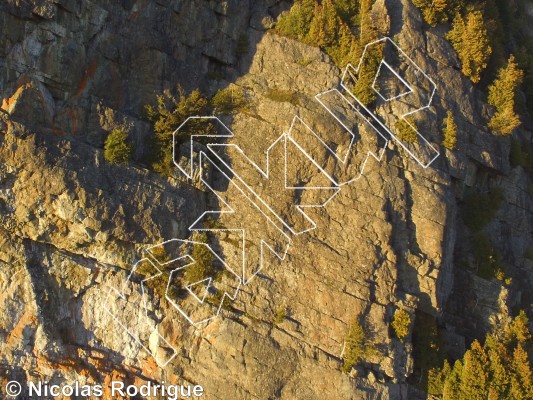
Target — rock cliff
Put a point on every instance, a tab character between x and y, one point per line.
73	225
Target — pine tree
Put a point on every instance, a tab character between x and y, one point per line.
452	384
355	348
437	378
295	23
117	150
499	376
401	323
169	113
475	379
522	381
344	51
323	28
450	132
348	11
203	266
434	11
406	130
502	94
470	39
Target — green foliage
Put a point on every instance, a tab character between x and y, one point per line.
295	23
498	370
355	348
470	39
452	382
331	25
281	315
229	100
517	330
362	89
401	323
475	374
480	208
348	11
406	130
282	96
437	377
159	284
502	94
203	267
449	132
434	11
167	115
117	150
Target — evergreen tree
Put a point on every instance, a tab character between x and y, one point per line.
203	267
452	384
401	323
498	371
169	113
450	132
355	348
434	11
437	378
295	23
470	39
324	25
522	381
348	11
502	94
475	378
499	376
117	150
406	130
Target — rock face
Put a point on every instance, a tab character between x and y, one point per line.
72	225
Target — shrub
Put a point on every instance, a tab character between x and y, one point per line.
480	208
470	39
280	316
401	323
159	284
117	150
502	94
329	24
282	96
406	130
355	348
167	115
229	100
435	11
295	23
437	378
203	267
499	369
449	132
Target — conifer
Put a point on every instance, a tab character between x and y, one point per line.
522	381
470	39
117	149
502	94
450	132
452	384
475	379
